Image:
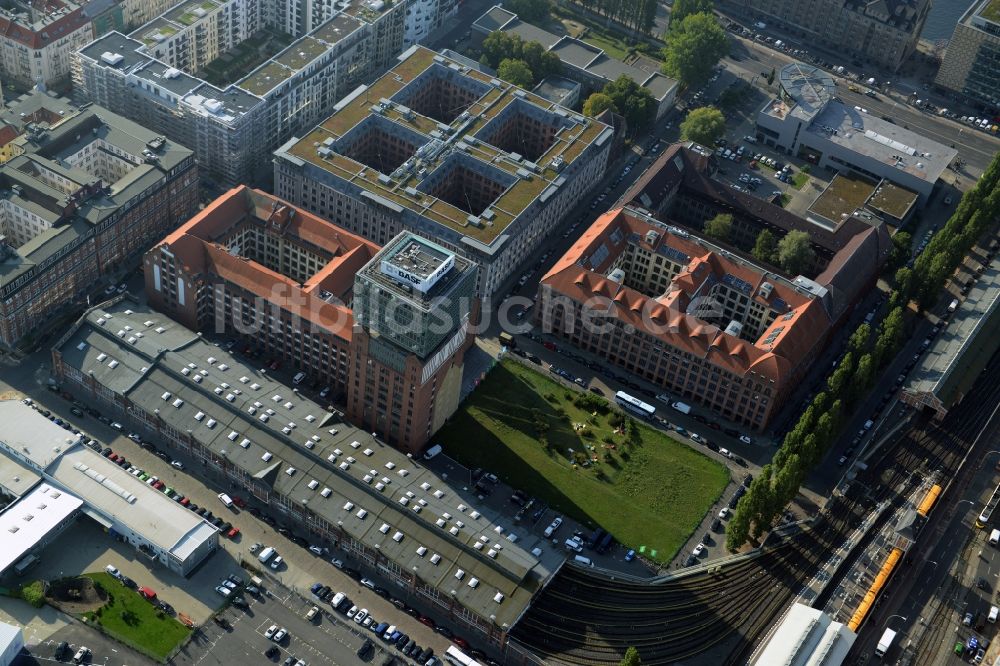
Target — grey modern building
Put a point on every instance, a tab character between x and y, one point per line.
234	128
483	168
883	32
971	65
805	120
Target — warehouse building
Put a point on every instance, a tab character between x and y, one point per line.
32	523
336	482
76	479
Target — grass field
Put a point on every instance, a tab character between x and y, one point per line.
134	621
799	180
560	446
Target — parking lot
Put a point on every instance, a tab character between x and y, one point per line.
239	637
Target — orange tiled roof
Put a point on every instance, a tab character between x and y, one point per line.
193	243
804	322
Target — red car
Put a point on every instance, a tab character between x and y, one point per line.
233	532
113	457
238	501
423	619
158	485
185	501
460	642
147	593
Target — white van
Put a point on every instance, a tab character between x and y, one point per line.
994	537
585	561
994	612
266	554
226	499
297	379
433	451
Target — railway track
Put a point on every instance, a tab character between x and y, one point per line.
588	618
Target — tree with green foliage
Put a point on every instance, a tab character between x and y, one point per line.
839	380
633	101
694	47
720	227
638	15
902	247
631	658
499	46
864	374
597	104
859	338
905	283
770	76
532	11
795	253
704	125
516	72
681	9
765	248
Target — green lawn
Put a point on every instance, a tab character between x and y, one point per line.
613	46
648	490
134	621
799	180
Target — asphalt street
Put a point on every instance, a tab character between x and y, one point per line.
975	147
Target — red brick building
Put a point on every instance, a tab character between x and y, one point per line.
252	267
704	323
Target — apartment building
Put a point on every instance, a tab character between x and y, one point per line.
152	76
582	62
971	64
85	197
363	321
447	152
884	33
38	40
192	34
704	323
27	113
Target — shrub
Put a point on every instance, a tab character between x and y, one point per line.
34	593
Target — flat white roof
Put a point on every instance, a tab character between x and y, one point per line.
30	436
117	494
807	637
10	634
26	522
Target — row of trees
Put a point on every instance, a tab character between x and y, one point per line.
977	210
793	252
637	15
805	445
517	61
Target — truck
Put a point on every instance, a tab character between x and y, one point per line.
507	340
266	554
994	537
885	642
682	407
